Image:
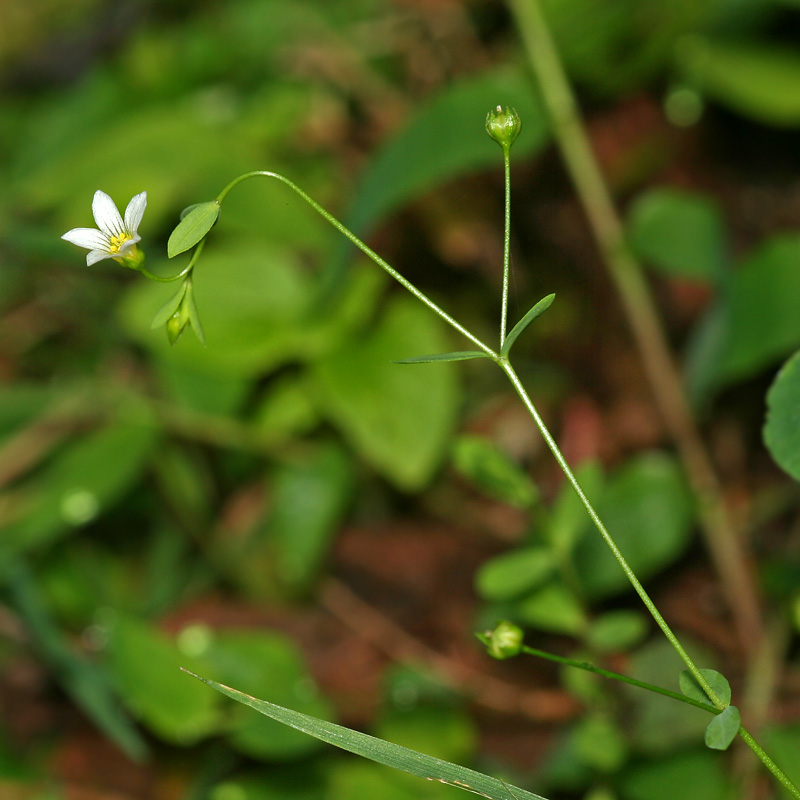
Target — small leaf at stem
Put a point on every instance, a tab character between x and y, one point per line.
193	227
718	682
461	355
194	319
722	730
168	309
540	307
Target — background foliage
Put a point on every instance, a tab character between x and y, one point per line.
285	510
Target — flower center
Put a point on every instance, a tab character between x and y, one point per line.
115	242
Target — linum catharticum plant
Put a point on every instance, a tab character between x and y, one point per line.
117	238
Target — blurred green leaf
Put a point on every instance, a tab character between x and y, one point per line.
617	631
722	729
264	661
398	419
600	743
759	80
718	682
146	667
309	497
86	682
553	608
510	574
81	481
193	227
626	44
445	732
648	509
667	778
482	462
782	428
444	139
522	325
568	521
762	320
680	233
387	753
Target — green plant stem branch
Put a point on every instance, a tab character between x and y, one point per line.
348	234
185	271
634	581
605	673
627	275
506	243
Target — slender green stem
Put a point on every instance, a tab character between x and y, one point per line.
628	276
348	234
605	673
506	244
639	589
634	581
185	271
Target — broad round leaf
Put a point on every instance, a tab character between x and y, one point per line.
722	730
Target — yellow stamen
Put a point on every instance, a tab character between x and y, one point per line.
115	242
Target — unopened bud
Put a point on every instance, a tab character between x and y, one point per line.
505	640
503	125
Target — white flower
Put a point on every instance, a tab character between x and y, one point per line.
116	237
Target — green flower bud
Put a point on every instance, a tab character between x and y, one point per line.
133	258
505	641
503	125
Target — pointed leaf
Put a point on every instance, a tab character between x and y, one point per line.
194	319
168	309
193	227
461	355
722	730
691	688
540	307
380	751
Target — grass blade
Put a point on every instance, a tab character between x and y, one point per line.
380	751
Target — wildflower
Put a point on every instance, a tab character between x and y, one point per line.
116	237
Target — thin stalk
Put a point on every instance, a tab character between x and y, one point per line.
634	581
627	274
348	234
616	676
506	244
612	545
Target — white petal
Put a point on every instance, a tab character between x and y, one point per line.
106	214
125	246
134	211
90	238
96	255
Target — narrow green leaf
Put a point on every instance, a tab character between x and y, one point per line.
382	752
193	227
168	309
722	730
540	307
782	432
460	355
194	319
719	683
